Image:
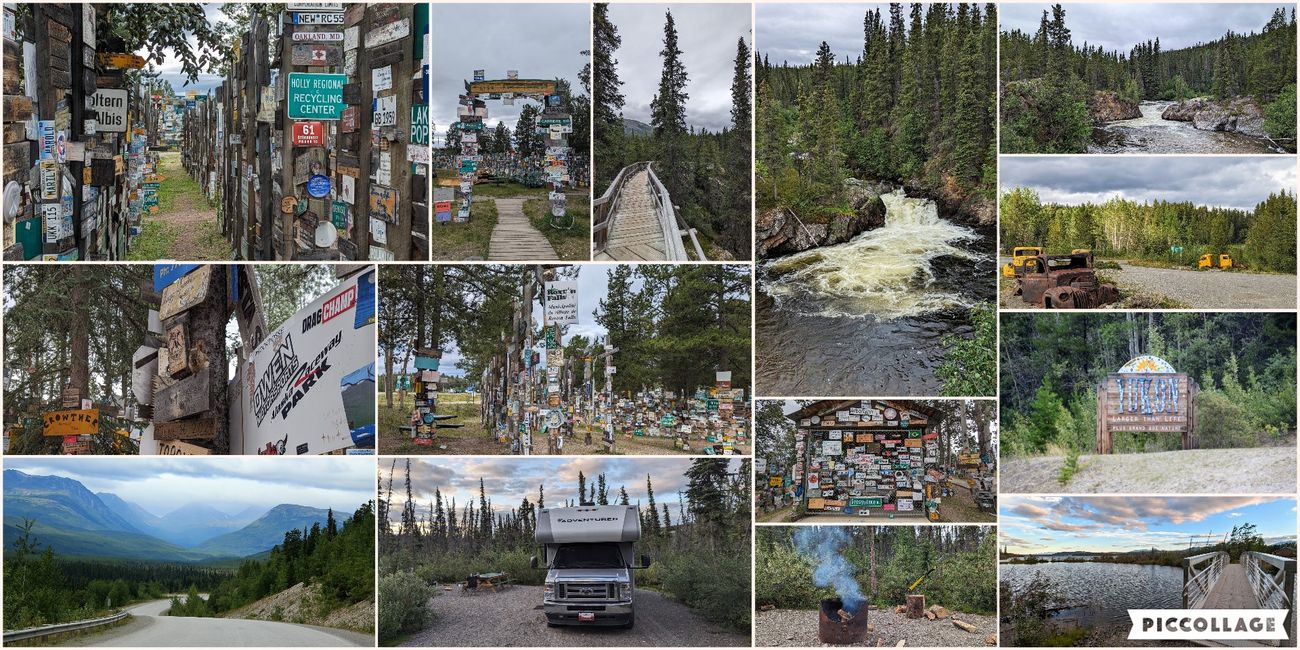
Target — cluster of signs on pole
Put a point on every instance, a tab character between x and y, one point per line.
867	457
424	384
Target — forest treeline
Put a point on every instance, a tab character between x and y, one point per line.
1048	80
695	549
1262	239
41	588
674	326
338	558
915	105
79	326
959	562
1244	364
706	173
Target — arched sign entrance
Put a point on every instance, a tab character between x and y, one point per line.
554	124
1146	395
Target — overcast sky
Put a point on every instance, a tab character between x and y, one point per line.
706	35
791	33
1117	524
507	482
541	41
1120	26
1233	182
228	483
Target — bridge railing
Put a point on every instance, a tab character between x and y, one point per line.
605	207
1200	574
674	231
61	628
1272	579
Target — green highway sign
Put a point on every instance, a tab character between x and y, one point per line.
316	96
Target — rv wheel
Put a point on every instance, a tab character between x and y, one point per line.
631	620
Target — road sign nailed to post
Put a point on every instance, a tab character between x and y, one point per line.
308	134
119	60
316	53
316	96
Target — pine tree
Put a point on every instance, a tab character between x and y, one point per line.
607	101
668	111
622	496
652	515
602	490
527	142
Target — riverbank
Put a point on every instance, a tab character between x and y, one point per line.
1152	132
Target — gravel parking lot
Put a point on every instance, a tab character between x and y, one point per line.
798	628
513	617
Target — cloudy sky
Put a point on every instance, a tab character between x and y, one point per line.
1120	26
541	41
229	483
706	35
791	33
1117	524
507	481
592	281
1234	182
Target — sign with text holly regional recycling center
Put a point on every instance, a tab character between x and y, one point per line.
316	96
309	388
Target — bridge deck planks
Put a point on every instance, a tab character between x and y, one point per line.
1232	591
514	238
635	235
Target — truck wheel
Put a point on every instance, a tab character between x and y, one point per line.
631	621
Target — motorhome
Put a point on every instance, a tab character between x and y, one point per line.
589	558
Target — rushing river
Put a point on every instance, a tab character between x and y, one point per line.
1104	592
866	317
1152	134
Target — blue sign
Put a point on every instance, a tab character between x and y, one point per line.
190	103
318	186
165	274
426	363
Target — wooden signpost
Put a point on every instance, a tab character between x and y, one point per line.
1146	395
72	422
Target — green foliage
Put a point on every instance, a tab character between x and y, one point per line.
403	604
1026	610
1070	466
783	578
1280	116
969	365
715	585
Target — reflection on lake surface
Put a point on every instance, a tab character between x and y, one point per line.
1104	592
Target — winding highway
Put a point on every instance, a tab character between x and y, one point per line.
149	628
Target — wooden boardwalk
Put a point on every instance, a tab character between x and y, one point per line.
635	234
1232	591
514	238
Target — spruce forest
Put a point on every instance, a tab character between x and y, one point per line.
915	106
1050	85
1264	239
706	173
1244	364
696	547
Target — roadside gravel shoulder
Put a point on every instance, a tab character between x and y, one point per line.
1261	470
798	628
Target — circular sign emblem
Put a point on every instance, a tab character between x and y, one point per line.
318	186
288	203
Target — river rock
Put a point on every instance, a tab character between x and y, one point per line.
779	231
1106	106
1242	115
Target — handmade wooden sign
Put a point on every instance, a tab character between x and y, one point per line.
72	422
120	60
186	397
190	429
186	292
178	448
1146	395
177	350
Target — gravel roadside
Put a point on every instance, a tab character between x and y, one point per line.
513	618
1263	470
1211	289
798	628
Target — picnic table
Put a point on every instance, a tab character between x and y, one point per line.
490	581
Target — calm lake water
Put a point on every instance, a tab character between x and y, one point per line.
1104	591
1153	134
866	317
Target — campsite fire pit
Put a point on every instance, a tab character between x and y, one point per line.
835	625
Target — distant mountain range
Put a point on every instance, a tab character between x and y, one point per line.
77	522
637	129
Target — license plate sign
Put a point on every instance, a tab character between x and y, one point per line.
586	617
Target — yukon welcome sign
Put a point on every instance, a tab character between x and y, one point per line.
309	388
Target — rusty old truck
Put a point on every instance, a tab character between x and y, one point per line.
1064	282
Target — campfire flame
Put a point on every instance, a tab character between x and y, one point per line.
822	545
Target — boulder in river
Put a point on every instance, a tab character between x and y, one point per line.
1107	106
781	232
1242	115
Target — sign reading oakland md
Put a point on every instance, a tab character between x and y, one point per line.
316	96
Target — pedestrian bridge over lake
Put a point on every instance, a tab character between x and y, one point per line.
635	221
1256	581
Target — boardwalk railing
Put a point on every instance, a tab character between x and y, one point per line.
1272	578
61	628
1200	573
605	207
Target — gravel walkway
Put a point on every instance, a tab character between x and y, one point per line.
798	628
1211	289
1272	470
513	618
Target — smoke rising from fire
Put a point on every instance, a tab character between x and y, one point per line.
822	545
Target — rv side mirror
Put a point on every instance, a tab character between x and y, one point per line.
645	561
533	562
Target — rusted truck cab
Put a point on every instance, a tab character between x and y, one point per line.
1064	282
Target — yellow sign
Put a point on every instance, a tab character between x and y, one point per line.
76	422
516	86
129	61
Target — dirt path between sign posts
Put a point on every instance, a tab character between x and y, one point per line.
1263	470
798	628
185	227
513	617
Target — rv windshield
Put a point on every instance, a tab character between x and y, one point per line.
603	555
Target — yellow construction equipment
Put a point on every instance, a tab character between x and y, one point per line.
1207	261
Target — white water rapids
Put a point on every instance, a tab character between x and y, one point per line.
885	273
